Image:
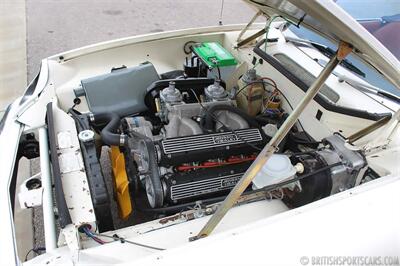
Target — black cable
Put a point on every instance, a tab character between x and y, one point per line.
301	125
35	250
115	237
286	99
75	115
86	229
226	127
300	153
255	82
199	68
219	73
302	142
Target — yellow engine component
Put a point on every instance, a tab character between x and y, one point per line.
274	104
121	182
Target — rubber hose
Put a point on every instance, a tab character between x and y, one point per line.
208	120
109	133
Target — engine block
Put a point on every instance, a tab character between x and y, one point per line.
186	161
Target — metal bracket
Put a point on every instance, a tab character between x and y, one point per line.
31	192
71	237
383	140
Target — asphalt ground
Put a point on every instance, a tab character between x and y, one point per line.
54	26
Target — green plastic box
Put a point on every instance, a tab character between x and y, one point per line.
214	55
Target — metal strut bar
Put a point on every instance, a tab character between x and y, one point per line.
250	38
369	129
239	38
343	50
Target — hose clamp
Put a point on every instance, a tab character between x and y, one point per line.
122	140
91	117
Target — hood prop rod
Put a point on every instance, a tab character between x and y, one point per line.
251	22
343	50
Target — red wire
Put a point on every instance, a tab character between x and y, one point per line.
98	240
215	164
91	235
275	92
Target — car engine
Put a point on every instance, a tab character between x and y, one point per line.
192	155
184	137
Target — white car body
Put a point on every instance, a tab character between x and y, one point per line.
361	221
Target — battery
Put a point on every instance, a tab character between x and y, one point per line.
215	57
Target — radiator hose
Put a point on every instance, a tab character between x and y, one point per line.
208	123
109	133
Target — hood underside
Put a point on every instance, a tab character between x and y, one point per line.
330	20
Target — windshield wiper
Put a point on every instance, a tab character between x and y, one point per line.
367	87
328	52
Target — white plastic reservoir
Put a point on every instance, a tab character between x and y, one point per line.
277	169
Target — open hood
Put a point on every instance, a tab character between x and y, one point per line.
327	18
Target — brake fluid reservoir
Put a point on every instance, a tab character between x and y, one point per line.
277	169
250	93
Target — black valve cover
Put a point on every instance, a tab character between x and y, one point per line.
174	151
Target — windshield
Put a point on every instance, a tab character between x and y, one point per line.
382	19
370	9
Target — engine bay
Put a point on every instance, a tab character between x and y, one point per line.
140	146
183	138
